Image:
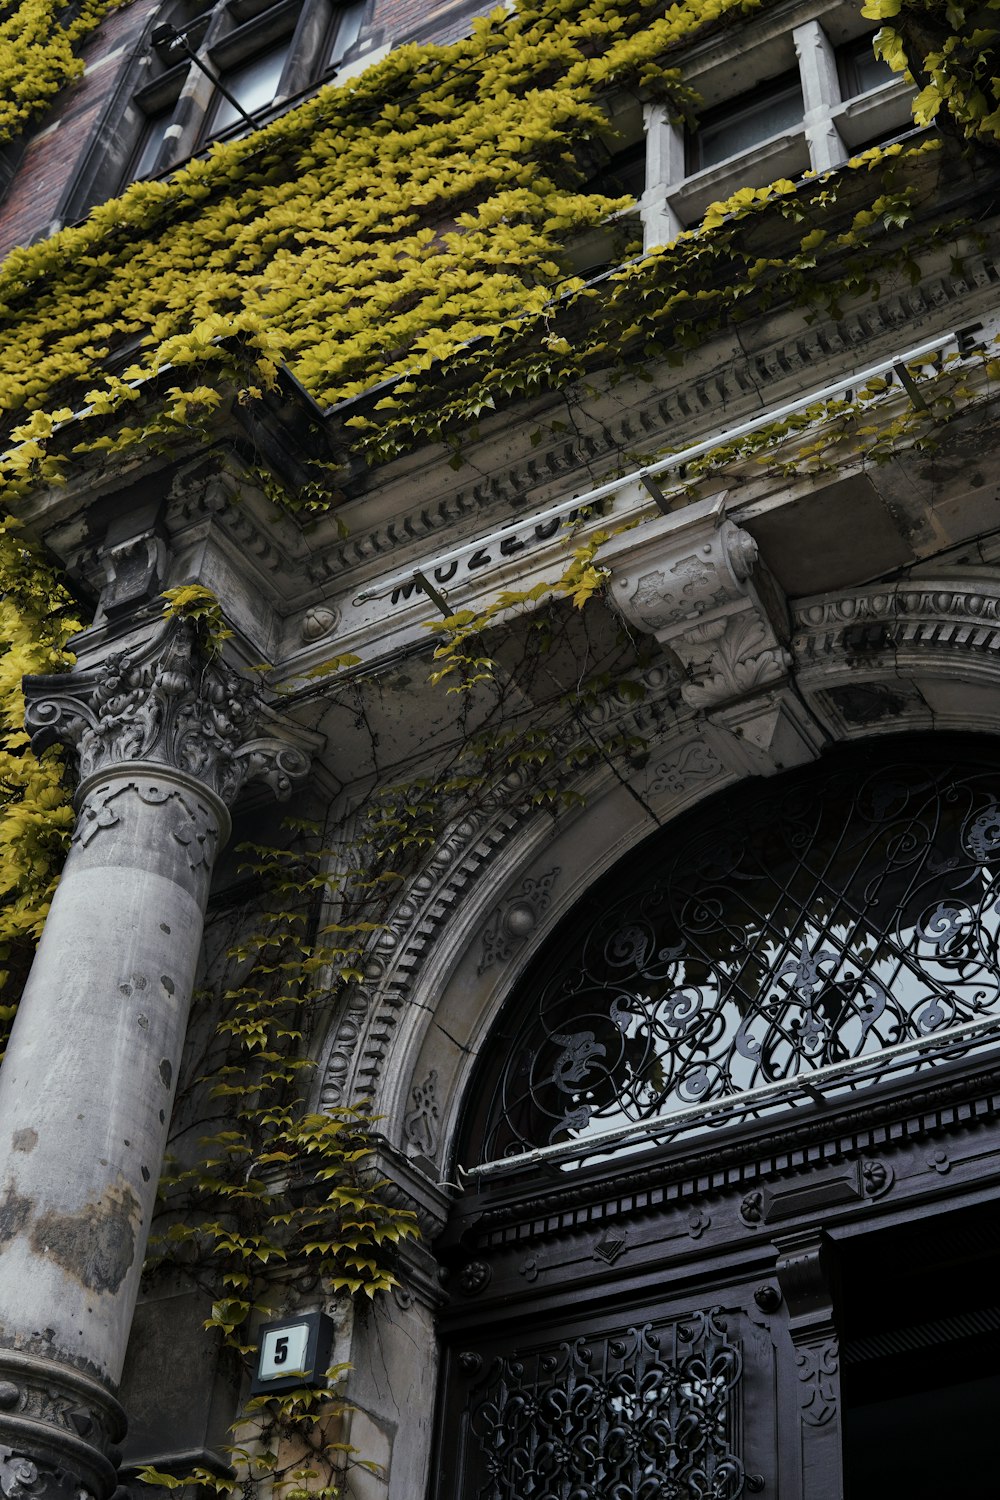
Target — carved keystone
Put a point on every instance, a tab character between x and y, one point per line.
696	582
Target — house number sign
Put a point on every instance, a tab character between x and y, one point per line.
293	1352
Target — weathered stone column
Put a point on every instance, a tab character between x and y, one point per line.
164	740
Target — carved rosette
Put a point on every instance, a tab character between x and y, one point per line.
167	705
700	588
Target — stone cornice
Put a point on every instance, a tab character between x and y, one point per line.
311	579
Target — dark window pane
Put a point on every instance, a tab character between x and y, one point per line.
860	70
745	123
347	31
254	84
153	136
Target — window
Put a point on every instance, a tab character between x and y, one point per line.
800	925
151	143
860	70
346	30
255	51
252	84
625	172
741	124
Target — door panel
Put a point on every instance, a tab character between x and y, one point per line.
648	1407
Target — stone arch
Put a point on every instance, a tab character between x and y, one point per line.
915	656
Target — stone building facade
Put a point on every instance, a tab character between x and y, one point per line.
747	1250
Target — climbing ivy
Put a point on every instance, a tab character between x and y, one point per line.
950	48
414	227
39	55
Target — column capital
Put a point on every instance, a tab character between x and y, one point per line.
167	706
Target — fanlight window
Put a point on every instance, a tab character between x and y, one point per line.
794	925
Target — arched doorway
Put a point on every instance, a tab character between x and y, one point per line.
740	1078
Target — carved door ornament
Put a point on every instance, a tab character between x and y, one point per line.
650	1411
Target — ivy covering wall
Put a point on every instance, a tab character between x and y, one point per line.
411	224
39	55
415	228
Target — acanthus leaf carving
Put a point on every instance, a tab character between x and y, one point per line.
168	704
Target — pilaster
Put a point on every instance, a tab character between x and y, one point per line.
804	1285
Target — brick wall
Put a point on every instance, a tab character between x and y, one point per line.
58	141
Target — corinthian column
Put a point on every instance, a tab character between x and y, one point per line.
164	740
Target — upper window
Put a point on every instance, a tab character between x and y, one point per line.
252	85
346	31
792	927
235	60
741	124
860	70
151	142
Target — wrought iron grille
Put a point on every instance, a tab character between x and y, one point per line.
647	1413
806	921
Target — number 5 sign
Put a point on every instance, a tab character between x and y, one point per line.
294	1352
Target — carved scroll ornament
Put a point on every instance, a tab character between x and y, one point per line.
700	589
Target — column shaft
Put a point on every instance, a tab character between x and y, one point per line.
88	1082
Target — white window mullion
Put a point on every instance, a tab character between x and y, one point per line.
665	170
820	94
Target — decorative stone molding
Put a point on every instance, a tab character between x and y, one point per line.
165	705
195	826
70	1427
683	769
135	570
698	586
420	1123
363	1033
687	408
951	615
516	917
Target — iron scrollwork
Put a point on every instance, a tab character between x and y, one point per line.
836	912
646	1413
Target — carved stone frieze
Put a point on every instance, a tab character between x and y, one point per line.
166	704
686	409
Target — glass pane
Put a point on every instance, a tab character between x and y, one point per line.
153	137
348	30
253	83
864	72
745	126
